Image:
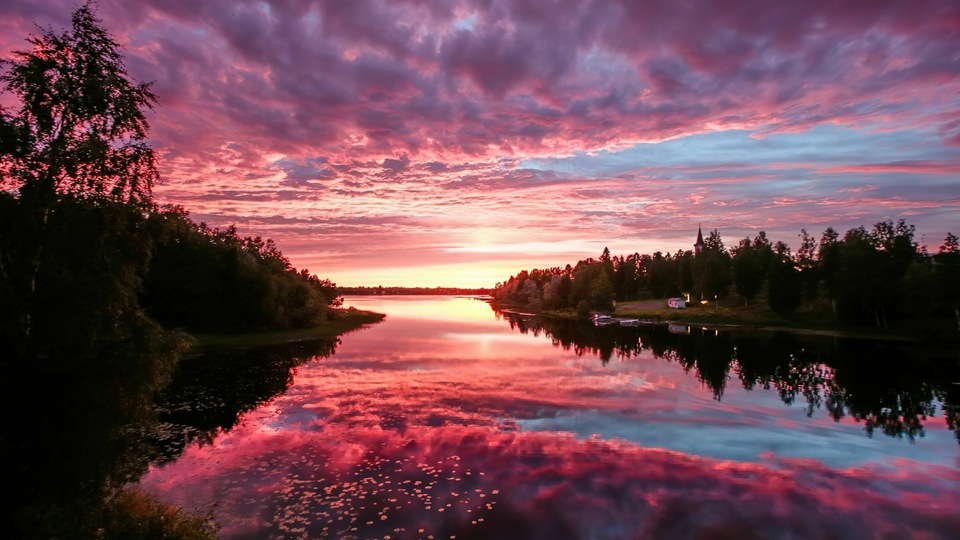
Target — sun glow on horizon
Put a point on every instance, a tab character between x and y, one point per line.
416	146
468	275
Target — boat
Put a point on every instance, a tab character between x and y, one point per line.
603	320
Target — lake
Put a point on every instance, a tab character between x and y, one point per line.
451	420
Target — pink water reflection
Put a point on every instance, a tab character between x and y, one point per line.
444	422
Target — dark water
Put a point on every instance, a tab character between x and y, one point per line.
449	420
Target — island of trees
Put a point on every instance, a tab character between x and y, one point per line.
98	283
877	278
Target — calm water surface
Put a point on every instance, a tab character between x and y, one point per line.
450	420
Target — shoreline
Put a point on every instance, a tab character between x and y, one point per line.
348	320
727	318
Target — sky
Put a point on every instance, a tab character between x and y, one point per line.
456	142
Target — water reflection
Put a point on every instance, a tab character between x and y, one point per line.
66	443
891	387
210	394
448	423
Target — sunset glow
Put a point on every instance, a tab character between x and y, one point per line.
455	142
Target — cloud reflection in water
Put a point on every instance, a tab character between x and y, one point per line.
414	429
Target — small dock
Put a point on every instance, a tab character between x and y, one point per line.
607	320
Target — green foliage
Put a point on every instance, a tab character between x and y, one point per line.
711	269
747	273
556	293
588	286
76	178
663	277
947	271
918	292
76	133
205	279
865	268
134	514
73	324
591	284
785	285
764	250
80	126
877	278
685	268
626	277
84	307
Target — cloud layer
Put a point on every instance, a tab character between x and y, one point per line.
403	135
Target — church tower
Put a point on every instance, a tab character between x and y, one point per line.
698	247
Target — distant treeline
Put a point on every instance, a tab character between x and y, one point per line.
423	291
865	277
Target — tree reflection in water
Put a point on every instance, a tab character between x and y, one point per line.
889	386
445	425
80	439
210	393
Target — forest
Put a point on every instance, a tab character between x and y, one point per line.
878	277
98	282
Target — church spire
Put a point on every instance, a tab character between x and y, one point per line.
698	247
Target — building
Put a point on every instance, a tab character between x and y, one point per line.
698	247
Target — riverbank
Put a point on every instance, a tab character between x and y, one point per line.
753	317
758	317
347	320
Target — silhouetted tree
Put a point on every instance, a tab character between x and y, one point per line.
747	275
712	269
859	286
76	177
828	262
80	125
76	131
685	264
663	276
626	277
784	284
592	287
764	250
917	291
878	277
948	274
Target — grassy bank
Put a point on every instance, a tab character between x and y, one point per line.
752	316
758	315
347	320
657	310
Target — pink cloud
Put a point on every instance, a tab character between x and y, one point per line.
291	76
401	101
911	166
